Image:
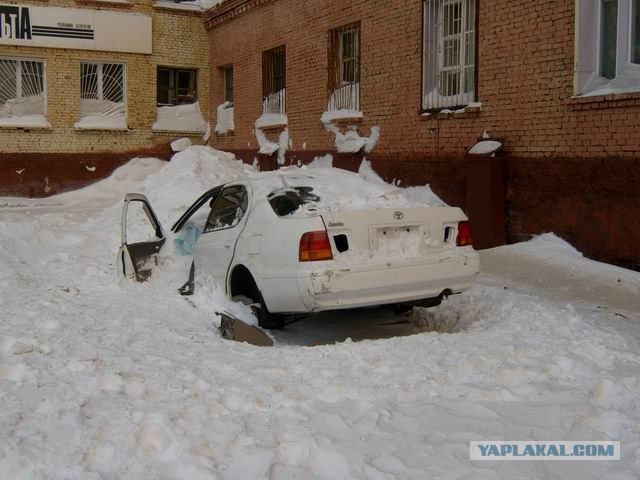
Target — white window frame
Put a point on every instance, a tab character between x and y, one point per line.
588	26
19	89
433	54
100	85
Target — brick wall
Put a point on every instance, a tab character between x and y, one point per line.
179	40
525	84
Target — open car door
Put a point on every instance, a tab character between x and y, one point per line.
136	259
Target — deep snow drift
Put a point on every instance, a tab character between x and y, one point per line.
108	380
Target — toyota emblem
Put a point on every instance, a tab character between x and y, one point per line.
398	215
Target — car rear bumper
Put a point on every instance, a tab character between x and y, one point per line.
409	281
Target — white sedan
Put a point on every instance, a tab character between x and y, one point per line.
279	241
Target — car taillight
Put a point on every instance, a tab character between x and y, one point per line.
464	234
315	246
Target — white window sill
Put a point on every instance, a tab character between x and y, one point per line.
188	7
272	120
340	115
33	122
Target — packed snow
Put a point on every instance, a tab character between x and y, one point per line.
101	115
180	118
107	379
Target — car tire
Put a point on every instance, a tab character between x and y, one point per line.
266	319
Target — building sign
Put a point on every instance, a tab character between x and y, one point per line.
56	27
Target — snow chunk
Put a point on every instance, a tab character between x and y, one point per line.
267	147
351	141
224	120
180	144
180	118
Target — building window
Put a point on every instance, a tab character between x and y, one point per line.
608	47
102	95
449	53
228	84
274	81
176	86
22	88
344	68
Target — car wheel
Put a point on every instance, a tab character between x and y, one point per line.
266	319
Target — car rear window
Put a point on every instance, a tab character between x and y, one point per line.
286	201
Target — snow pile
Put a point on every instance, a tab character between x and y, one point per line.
191	173
224	119
351	141
100	379
341	190
180	118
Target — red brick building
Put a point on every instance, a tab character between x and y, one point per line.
555	80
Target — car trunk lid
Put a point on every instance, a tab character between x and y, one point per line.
392	234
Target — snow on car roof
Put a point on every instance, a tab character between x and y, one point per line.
341	190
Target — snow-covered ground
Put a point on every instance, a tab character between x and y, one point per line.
108	380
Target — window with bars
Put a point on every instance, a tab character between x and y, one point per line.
22	88
344	68
274	81
102	92
228	84
176	86
449	53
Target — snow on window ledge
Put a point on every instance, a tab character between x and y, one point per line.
471	107
180	118
626	81
331	116
100	122
272	120
26	121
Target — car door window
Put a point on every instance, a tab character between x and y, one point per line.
228	209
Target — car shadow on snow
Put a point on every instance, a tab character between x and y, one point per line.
367	324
